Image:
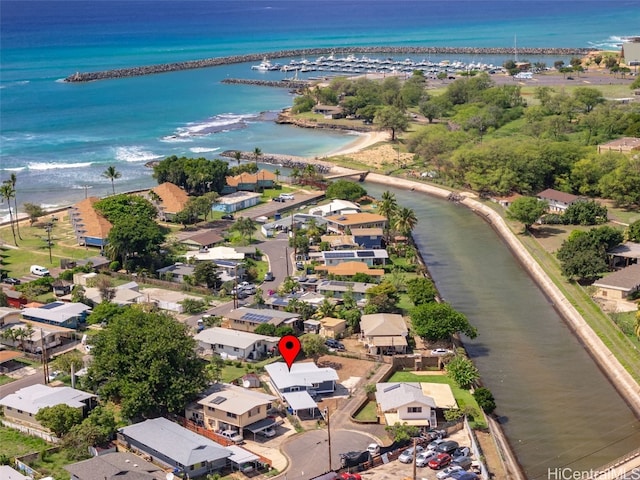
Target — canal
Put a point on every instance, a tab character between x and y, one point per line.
556	407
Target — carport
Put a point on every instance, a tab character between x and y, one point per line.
301	401
262	425
241	457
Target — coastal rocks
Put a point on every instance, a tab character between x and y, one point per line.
288	161
284	118
293	84
213	62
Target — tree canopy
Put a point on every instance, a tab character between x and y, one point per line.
438	321
421	290
59	418
345	190
147	363
526	210
583	256
195	175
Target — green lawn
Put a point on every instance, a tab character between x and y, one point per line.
16	444
463	397
52	465
4	379
368	413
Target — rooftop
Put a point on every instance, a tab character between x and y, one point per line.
348	219
236	197
383	325
626	280
89	222
115	466
173	198
57	312
232	338
31	399
391	396
233	399
350	268
301	374
551	194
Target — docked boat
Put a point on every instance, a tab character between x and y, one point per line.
265	66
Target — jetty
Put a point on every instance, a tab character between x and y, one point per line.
79	77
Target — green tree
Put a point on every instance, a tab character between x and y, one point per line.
237	155
193	306
68	361
587	212
112	174
207	273
146	362
392	118
216	366
104	312
34	211
117	207
4	300
313	346
7	192
266	329
13	179
526	210
59	418
583	256
623	184
485	399
438	321
633	232
405	221
401	432
345	190
245	226
382	298
462	371
421	290
588	97
133	236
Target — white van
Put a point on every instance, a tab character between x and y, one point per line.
39	271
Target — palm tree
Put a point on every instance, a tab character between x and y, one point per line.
257	153
238	156
13	178
7	192
276	172
405	221
388	206
295	174
111	174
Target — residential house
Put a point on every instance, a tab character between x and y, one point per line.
631	51
384	333
404	403
61	314
9	315
236	201
115	466
202	239
505	202
230	407
303	376
169	199
248	319
8	361
329	111
90	227
335	207
176	272
249	182
236	344
344	222
175	446
368	257
125	294
349	269
339	242
61	287
294	221
558	201
621	145
625	254
216	253
619	285
34	337
368	238
331	327
8	473
20	408
337	289
164	299
15	299
277	302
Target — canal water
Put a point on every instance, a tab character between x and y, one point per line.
556	407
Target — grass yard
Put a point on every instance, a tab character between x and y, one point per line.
231	373
16	444
4	380
368	413
463	397
51	465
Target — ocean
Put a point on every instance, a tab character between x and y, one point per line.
58	138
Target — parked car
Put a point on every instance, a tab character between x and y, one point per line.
407	455
423	459
232	435
448	471
441	461
432	435
278	199
227	216
462	475
373	449
287	196
448	446
461	452
464	462
435	443
441	351
39	271
300	265
332	343
268	277
350	476
268	432
11	281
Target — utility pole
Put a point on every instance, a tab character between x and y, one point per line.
415	457
45	358
48	227
286	259
326	416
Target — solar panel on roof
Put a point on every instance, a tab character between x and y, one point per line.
254	317
392	387
365	253
338	254
218	400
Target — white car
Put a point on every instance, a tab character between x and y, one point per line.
448	471
268	432
407	455
373	449
434	444
424	458
39	271
441	351
286	196
232	435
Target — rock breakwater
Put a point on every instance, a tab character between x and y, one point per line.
218	61
293	84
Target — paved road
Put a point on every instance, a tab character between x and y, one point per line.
26	381
308	453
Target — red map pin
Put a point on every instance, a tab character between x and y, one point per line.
289	347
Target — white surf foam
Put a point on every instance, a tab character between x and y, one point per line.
203	149
218	123
56	166
134	154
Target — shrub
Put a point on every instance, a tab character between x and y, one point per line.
485	399
114	266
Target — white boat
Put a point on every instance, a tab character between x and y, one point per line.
265	65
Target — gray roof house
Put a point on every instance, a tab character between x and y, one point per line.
62	314
302	376
115	466
20	408
619	285
384	333
404	403
337	288
236	344
248	319
175	446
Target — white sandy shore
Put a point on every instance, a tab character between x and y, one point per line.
362	141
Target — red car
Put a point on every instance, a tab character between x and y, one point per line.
441	461
350	476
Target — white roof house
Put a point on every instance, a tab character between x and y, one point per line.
58	313
236	400
405	403
175	445
335	207
32	399
216	253
302	376
235	342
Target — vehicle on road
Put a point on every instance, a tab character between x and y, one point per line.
423	459
441	351
227	216
287	196
11	281
441	461
39	271
268	277
300	265
407	455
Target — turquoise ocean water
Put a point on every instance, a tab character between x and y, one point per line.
59	137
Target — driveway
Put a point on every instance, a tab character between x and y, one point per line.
309	452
